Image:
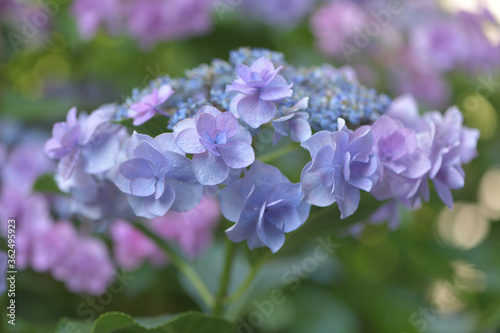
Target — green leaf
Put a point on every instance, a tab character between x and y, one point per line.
156	126
188	322
46	183
66	325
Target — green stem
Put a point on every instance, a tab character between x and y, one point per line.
253	273
266	158
225	278
184	267
248	281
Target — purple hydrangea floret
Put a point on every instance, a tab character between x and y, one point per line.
218	144
157	177
293	123
401	162
149	105
449	145
264	206
342	164
259	87
89	142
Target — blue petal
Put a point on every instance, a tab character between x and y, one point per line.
232	199
243	227
209	169
189	141
270	235
228	123
363	144
300	130
206	126
350	202
255	111
444	192
243	71
290	193
68	163
265	173
136	168
166	141
284	217
136	139
237	154
101	157
179	167
187	196
318	141
150	154
303	209
323	165
142	187
161	206
138	205
315	192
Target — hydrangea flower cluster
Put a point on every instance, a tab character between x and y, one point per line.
330	92
42	243
216	110
358	141
153	21
149	22
417	43
47	241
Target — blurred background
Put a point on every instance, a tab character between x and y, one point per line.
439	271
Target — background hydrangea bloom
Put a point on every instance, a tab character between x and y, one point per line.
258	87
217	143
147	21
131	247
335	23
3	272
342	164
279	13
87	268
32	213
149	105
93	14
192	230
16	172
51	246
439	45
157	177
264	206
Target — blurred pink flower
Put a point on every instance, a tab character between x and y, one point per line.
440	45
131	247
92	14
86	268
32	215
426	85
24	165
51	246
149	105
147	21
335	24
482	54
193	230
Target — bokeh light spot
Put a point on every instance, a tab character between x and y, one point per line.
464	227
489	193
480	114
